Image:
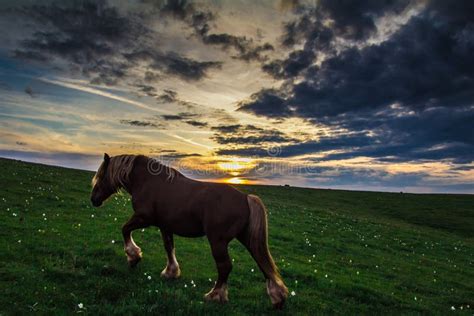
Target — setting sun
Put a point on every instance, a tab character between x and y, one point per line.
236	180
236	165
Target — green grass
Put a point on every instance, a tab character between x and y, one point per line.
341	252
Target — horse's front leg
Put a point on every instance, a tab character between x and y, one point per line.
133	252
224	266
172	270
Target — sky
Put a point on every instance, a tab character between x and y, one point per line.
361	95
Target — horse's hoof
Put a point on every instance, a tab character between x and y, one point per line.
171	274
217	295
278	293
132	262
134	255
279	305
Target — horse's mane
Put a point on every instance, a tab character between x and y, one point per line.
120	167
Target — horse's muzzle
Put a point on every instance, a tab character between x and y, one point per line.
95	202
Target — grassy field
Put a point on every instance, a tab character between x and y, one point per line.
339	252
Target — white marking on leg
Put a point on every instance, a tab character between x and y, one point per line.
171	271
277	291
218	294
132	250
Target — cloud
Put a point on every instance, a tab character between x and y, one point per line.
196	123
227	128
87	34
169	154
267	102
139	123
178	117
102	93
101	42
29	91
148	90
172	63
167	96
394	135
199	20
297	148
186	117
326	28
238	135
396	91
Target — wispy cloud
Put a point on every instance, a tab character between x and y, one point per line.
98	92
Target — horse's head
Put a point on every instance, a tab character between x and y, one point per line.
102	186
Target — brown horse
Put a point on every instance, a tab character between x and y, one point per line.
165	198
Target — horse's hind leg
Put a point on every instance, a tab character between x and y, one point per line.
276	289
172	270
133	252
224	266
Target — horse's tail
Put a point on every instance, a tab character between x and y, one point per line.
258	244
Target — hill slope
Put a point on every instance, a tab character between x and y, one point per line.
339	251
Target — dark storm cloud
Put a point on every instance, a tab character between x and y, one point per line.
85	33
139	123
299	148
97	40
431	134
237	134
396	135
410	68
356	19
244	46
267	102
30	55
349	20
172	63
199	20
413	92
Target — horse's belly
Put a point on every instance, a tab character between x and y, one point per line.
190	234
183	227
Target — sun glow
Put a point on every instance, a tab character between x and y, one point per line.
236	180
236	165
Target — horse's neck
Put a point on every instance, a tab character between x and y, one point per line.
142	172
138	175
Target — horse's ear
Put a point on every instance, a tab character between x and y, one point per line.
106	157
